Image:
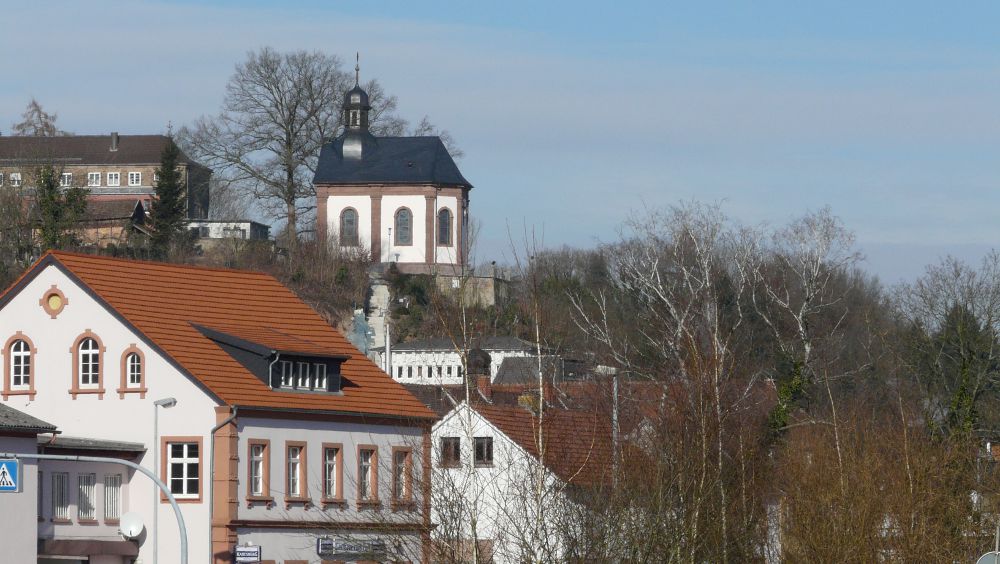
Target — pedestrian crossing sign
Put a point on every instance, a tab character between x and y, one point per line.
10	475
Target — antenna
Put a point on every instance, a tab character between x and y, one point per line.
357	68
130	525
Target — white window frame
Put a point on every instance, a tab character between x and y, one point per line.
487	445
366	457
93	179
15	179
20	365
66	179
186	477
133	370
86	497
303	374
330	469
287	374
293	470
135	178
1	178
402	478
319	376
60	496
257	453
112	497
89	363
114	178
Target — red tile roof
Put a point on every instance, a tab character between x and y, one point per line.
163	302
577	444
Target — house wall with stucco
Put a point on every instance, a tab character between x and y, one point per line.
313	514
109	415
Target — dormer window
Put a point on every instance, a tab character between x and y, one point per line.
303	375
307	370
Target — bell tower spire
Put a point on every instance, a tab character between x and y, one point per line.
356	105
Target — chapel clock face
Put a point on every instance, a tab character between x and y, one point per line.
55	302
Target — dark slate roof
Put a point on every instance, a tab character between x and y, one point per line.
20	422
496	343
83	443
524	370
440	399
85	149
390	160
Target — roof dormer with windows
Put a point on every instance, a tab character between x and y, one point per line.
283	362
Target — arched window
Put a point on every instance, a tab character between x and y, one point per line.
444	227
89	363
349	228
20	365
133	370
404	227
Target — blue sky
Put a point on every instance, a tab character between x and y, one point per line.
572	114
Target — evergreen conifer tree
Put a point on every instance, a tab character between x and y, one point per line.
168	209
57	209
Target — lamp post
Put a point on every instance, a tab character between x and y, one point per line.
165	403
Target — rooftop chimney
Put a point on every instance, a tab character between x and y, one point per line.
114	140
483	384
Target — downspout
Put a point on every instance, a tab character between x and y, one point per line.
211	472
270	368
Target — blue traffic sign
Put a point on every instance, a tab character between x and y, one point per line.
10	475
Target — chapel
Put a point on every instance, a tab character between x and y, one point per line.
403	198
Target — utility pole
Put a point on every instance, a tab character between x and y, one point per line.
388	338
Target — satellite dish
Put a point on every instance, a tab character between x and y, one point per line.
991	557
130	525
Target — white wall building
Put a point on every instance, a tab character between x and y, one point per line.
310	438
436	361
487	472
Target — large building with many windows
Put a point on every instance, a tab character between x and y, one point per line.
268	428
113	167
402	198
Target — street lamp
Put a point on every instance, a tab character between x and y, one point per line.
165	403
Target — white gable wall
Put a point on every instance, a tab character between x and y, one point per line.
112	418
501	495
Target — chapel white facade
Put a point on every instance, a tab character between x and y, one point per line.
402	198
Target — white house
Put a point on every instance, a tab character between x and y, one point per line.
276	431
403	198
495	492
437	360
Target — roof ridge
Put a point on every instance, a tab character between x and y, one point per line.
81	136
58	253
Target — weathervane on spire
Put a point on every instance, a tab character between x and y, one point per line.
357	68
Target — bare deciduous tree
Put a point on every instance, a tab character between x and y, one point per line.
37	122
279	110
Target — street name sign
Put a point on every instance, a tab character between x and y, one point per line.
346	549
247	554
